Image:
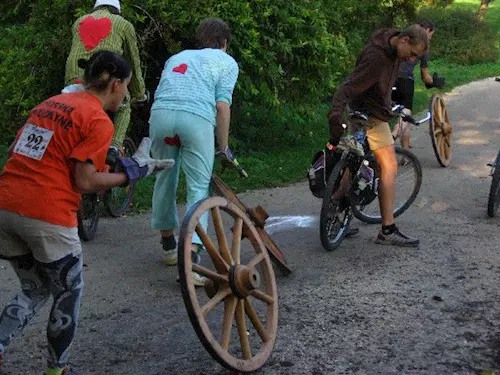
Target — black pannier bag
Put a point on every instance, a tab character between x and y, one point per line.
321	167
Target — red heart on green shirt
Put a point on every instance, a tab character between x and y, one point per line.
180	69
93	31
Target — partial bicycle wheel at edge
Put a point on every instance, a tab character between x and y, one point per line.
408	182
119	198
336	209
88	216
494	198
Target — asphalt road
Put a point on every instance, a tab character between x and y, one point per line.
364	308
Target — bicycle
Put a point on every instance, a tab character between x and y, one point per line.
117	199
353	183
493	198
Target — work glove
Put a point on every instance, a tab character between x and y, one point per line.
141	164
112	157
227	160
437	82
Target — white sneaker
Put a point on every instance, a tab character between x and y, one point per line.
171	257
198	280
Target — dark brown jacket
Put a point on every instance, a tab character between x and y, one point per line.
369	87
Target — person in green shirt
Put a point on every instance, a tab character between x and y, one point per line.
105	29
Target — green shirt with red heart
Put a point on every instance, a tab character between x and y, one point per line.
102	30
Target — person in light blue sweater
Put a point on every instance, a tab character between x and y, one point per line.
193	97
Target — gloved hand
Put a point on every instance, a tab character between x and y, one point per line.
226	158
112	157
141	164
437	82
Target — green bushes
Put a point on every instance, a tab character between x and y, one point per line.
291	54
460	38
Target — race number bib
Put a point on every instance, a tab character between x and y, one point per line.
33	142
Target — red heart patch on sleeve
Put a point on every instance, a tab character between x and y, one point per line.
180	69
93	31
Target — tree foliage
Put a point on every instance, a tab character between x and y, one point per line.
290	53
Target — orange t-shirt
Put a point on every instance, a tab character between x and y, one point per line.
37	180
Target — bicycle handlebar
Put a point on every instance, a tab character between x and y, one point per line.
398	108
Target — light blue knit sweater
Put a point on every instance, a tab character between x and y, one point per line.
194	80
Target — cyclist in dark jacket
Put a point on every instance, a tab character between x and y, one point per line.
369	90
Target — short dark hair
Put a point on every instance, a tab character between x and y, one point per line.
212	32
416	35
428	24
101	68
112	9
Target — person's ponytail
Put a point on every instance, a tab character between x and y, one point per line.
102	67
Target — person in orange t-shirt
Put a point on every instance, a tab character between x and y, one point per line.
57	155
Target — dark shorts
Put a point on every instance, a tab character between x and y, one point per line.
404	92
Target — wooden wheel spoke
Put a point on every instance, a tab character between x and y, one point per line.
219	262
236	244
242	330
252	315
259	258
227	324
262	296
442	147
219	296
221	236
210	274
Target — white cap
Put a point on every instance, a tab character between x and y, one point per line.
113	3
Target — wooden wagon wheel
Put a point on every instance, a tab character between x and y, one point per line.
240	287
440	130
258	215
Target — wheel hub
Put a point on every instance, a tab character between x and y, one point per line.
446	129
243	280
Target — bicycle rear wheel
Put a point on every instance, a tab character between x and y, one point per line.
88	216
408	182
119	198
336	208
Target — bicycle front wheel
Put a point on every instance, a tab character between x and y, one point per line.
119	198
408	182
88	216
336	208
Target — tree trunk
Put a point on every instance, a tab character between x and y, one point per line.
481	13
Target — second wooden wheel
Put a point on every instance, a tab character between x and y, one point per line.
440	130
235	313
